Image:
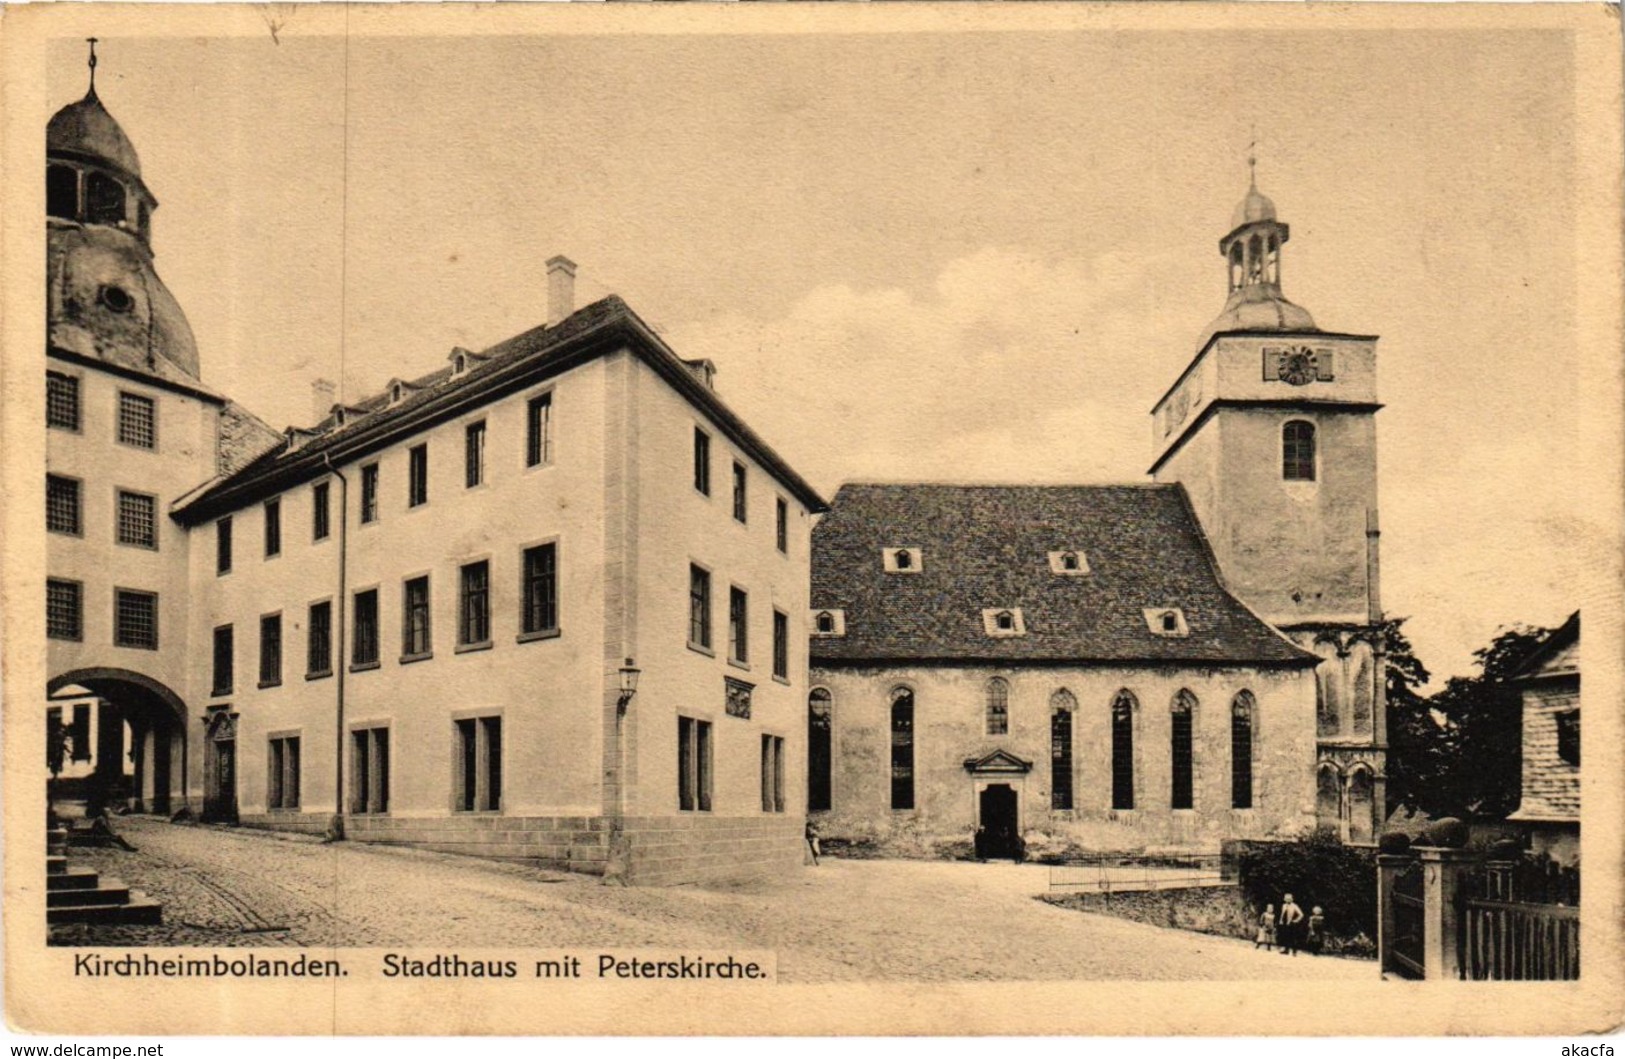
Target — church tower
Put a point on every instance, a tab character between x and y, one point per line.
1272	430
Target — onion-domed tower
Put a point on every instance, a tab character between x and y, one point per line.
104	296
1272	430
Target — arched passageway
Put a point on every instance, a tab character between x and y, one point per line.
139	721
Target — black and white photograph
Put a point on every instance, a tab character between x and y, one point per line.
627	505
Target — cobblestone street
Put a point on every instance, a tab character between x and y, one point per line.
845	920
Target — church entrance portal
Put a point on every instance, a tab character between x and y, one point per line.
999	835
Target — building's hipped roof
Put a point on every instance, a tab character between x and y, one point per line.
524	360
983	546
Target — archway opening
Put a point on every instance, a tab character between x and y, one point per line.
117	739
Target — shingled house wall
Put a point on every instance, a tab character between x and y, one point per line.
951	727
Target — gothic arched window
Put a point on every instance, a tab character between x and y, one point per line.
903	558
1183	718
1062	707
1242	710
820	718
1124	706
104	199
902	748
1298	451
998	706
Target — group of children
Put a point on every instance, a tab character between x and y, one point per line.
1290	930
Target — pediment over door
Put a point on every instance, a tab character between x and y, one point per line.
998	763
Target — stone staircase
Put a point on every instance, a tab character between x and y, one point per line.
78	894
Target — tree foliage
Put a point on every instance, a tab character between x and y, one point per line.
1456	752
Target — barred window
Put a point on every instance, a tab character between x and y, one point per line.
135	619
64	609
61	401
320	517
319	645
225	650
474	454
62	504
364	649
137	519
137	421
539	430
474	625
415	633
541	589
369	493
270	650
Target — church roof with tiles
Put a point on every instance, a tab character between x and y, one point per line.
978	550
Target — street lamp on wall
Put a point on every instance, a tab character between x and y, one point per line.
629	684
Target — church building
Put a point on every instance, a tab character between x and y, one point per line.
1123	667
547	601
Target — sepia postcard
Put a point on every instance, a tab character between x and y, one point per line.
801	520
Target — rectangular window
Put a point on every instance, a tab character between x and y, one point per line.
319	645
781	645
273	528
1568	736
222	546
781	524
61	401
64	609
539	430
364	649
320	516
738	625
479	764
135	619
699	607
417	477
137	421
369	770
474	454
540	591
225	649
474	623
62	513
772	774
137	519
739	492
415	639
79	732
702	461
282	772
693	765
270	650
369	493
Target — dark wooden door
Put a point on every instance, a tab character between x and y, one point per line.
1000	836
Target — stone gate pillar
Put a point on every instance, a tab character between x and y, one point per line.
1442	871
1388	865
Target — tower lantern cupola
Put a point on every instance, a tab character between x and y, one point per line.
1252	255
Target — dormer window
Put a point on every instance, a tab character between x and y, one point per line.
1002	622
459	364
395	394
902	560
829	623
1069	563
1166	621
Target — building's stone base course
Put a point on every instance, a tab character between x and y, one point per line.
659	851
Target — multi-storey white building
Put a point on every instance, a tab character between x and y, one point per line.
548	601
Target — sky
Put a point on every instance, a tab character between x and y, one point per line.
944	256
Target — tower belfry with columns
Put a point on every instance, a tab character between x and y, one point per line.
1271	428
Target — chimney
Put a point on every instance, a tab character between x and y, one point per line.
321	400
561	288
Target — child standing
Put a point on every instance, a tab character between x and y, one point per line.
1266	929
1316	934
